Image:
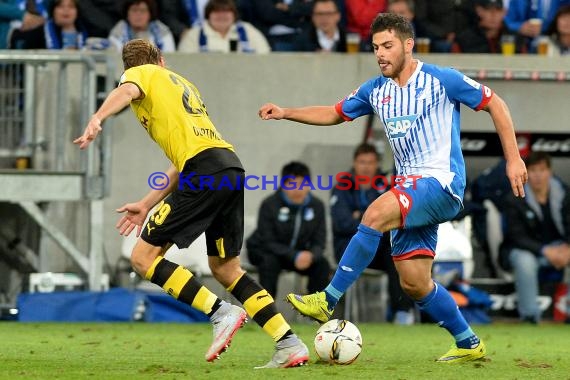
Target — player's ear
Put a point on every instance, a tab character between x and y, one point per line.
161	61
409	45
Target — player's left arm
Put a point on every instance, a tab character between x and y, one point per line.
115	102
516	169
480	97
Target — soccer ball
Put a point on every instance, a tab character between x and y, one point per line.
338	341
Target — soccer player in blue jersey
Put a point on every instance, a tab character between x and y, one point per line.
418	104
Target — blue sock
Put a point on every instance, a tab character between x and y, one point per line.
357	256
441	307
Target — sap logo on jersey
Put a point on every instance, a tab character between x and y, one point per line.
398	126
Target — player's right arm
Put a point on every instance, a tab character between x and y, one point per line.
117	99
315	115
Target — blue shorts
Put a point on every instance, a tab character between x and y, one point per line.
423	207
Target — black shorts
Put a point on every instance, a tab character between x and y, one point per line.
213	204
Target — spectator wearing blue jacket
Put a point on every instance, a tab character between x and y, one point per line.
523	17
291	233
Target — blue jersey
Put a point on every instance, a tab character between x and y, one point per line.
421	120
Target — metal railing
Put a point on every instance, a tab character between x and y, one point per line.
46	99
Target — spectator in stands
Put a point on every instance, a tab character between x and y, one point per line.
223	32
325	33
522	14
291	233
282	21
181	15
404	8
559	33
485	35
348	204
536	237
531	18
176	16
99	16
442	20
13	16
140	20
359	16
62	30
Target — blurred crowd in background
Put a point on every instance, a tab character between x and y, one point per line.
263	26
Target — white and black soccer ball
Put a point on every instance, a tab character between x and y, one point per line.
338	341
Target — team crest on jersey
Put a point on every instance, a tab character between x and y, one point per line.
397	127
420	94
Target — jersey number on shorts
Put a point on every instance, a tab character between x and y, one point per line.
186	97
161	213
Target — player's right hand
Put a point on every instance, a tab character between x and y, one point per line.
271	111
134	217
91	131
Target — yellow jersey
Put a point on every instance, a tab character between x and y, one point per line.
173	113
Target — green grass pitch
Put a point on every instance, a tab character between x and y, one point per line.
176	351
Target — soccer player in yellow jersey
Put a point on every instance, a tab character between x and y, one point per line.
172	112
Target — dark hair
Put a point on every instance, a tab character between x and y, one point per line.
326	1
537	157
392	21
151	4
55	3
296	169
221	5
553	27
365	148
139	52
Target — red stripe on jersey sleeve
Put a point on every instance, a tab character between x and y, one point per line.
487	95
338	109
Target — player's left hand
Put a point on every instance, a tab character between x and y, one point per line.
516	172
134	217
90	133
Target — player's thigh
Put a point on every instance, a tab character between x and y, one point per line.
224	236
383	214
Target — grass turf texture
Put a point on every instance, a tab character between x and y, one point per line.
176	351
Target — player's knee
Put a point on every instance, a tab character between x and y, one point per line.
142	260
377	219
225	271
414	288
138	263
383	214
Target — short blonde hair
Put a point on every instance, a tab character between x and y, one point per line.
139	52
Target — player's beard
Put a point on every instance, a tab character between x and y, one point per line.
396	66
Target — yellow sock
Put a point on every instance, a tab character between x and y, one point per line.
181	284
260	306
